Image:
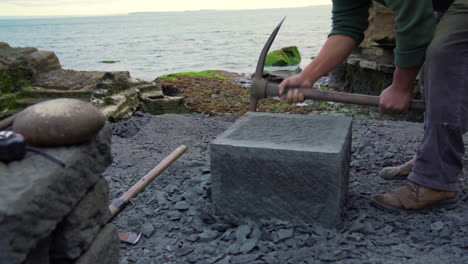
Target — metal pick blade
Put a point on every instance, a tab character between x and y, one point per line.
266	48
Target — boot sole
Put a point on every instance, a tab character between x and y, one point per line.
444	204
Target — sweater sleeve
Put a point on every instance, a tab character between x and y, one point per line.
414	26
350	18
414	30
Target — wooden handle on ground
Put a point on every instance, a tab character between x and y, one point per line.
120	203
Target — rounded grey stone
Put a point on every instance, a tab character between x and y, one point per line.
59	122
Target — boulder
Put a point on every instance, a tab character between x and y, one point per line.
59	122
288	56
36	60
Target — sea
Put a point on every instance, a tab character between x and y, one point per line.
152	44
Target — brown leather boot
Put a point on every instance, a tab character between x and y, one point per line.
398	172
412	197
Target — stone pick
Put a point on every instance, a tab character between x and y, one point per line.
59	122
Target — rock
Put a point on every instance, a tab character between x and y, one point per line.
208	235
242	232
144	261
248	245
182	206
48	192
36	60
59	122
381	29
282	234
76	232
288	56
147	229
254	159
241	259
105	248
437	226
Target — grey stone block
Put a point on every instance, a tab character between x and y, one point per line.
290	167
36	194
76	232
105	248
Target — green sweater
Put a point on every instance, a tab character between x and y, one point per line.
414	26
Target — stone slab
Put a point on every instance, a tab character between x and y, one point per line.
290	167
36	194
105	248
76	232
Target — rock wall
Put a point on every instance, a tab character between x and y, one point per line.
29	76
55	215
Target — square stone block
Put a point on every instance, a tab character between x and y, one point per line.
283	166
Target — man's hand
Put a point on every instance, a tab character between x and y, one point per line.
292	96
395	100
334	51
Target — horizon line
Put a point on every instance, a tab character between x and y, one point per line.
148	12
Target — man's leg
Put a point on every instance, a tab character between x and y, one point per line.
438	161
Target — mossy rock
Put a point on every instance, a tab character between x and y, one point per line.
14	78
9	103
207	74
288	56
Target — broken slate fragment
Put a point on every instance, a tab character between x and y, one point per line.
182	206
282	234
147	229
242	232
183	251
208	235
174	215
248	245
437	226
242	259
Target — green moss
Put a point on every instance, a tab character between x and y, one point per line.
109	61
288	56
108	101
14	78
9	103
207	73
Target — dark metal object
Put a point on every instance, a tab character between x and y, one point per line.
12	146
263	88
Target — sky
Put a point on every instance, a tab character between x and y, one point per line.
109	7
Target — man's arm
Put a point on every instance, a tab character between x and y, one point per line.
350	20
414	30
335	50
414	27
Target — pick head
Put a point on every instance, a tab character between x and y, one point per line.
266	48
257	84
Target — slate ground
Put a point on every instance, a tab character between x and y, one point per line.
176	216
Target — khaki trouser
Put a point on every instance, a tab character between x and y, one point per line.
439	159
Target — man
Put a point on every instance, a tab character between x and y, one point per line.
433	181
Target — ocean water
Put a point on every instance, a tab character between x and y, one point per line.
152	44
